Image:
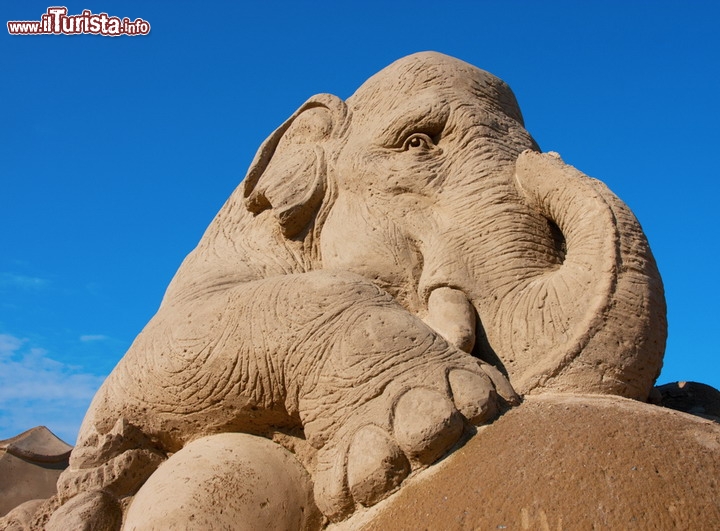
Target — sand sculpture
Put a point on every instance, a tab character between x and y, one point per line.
30	464
393	269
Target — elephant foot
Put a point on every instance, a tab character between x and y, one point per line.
398	418
367	460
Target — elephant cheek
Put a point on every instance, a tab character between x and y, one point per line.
358	239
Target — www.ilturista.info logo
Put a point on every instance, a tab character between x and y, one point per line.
56	22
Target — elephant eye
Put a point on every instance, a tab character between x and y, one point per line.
418	141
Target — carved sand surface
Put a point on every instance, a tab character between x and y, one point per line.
394	270
568	462
30	464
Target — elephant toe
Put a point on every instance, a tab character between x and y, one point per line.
426	424
375	465
474	395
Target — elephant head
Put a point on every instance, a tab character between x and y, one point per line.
426	183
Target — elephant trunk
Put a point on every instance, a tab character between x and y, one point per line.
596	322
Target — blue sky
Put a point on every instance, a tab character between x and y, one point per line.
117	152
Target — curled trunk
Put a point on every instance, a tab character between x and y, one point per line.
596	322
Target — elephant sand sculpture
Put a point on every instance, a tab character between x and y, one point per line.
391	271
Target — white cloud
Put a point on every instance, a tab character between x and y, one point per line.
9	344
22	281
38	390
91	337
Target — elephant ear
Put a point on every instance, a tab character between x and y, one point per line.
289	172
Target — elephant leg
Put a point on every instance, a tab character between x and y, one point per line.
377	392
